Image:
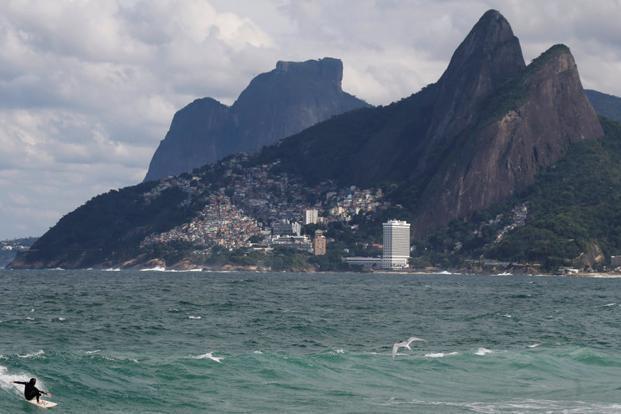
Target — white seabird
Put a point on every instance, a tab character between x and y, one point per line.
405	344
209	355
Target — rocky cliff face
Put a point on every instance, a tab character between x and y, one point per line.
275	105
540	114
477	136
488	57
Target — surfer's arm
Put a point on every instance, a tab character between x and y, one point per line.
19	382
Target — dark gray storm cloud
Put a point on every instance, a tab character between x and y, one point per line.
88	88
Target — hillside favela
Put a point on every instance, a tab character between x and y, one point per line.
313	206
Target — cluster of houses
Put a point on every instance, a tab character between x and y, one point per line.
260	208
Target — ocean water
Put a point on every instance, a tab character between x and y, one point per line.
160	342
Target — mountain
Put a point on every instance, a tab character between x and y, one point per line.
605	105
479	137
275	105
568	217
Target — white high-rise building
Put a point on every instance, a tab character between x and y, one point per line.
311	216
396	244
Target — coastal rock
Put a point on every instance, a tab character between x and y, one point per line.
593	255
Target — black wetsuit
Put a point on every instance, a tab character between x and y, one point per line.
31	391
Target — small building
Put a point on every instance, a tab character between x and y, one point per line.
286	228
319	243
311	216
293	242
615	261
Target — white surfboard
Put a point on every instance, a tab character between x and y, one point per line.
42	403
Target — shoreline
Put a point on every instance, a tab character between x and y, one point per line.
416	272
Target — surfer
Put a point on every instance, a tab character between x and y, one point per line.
31	391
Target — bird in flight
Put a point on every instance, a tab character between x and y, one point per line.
405	344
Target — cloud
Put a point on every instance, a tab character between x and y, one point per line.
88	88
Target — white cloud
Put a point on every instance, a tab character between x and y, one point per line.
88	88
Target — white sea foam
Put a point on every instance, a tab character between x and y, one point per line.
483	351
112	269
92	352
60	319
339	351
535	345
37	354
7	378
209	355
32	310
440	354
154	269
258	352
517	406
609	304
507	315
118	358
505	274
29	318
195	317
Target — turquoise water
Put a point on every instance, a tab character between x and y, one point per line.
139	342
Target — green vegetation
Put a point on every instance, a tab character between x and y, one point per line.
97	231
572	206
280	259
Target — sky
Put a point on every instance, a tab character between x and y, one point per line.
88	88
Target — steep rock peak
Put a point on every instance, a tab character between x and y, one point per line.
489	56
491	40
328	68
491	29
556	59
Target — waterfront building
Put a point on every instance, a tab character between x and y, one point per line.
396	251
286	228
293	242
311	216
319	243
